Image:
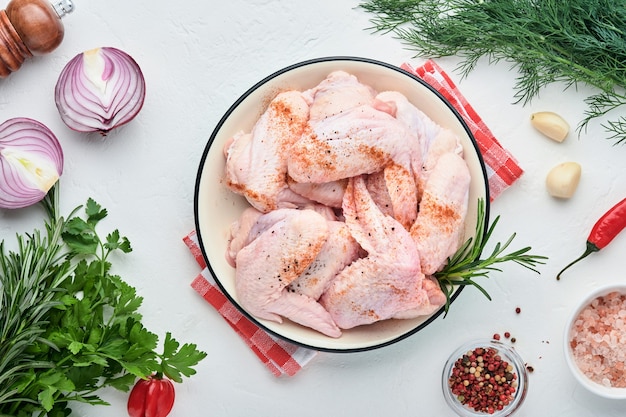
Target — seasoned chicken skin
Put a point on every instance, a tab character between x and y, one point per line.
415	121
435	299
287	242
339	251
388	280
256	162
432	139
439	226
359	141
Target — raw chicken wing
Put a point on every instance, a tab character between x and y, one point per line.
439	227
395	192
339	251
240	235
327	193
436	298
337	93
388	280
256	162
362	140
280	253
402	190
415	121
444	142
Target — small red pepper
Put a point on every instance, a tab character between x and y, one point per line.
604	231
152	397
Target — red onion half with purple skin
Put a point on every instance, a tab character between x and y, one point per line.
31	162
99	90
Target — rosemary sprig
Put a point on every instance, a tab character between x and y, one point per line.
30	280
547	41
466	264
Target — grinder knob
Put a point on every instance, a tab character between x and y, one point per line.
30	27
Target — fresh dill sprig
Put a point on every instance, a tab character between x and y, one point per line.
466	264
572	42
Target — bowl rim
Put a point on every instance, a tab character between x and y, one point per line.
585	381
232	108
504	349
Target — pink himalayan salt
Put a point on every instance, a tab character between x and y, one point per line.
598	340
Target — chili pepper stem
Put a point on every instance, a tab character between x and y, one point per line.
590	249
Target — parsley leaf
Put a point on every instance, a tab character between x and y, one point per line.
177	361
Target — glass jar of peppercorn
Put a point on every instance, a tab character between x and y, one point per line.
485	378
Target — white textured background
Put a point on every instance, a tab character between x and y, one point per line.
198	57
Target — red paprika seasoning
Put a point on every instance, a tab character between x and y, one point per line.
603	232
152	397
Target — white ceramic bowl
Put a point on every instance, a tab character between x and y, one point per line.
584	380
216	207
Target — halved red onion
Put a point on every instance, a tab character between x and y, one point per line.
99	90
31	162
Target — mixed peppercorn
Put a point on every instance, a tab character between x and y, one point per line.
483	380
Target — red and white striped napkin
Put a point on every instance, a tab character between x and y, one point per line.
502	168
285	358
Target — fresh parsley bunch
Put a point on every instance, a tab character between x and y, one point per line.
68	326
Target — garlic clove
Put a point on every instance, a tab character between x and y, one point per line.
550	124
562	180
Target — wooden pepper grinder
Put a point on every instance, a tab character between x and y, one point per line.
30	27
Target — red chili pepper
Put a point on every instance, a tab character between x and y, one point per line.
604	231
152	397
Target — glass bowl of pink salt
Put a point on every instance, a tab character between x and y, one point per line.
485	378
595	342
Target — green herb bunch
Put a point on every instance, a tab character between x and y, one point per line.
68	326
568	41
